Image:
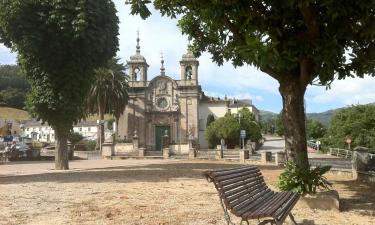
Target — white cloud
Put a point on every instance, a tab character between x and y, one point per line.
345	92
236	95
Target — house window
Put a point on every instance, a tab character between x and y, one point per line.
27	129
80	129
89	129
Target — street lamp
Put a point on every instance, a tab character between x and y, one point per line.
239	121
100	122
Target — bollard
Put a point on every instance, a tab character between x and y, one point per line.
266	157
280	158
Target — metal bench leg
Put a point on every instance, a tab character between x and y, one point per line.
292	219
226	214
242	220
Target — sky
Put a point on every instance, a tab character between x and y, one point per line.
160	35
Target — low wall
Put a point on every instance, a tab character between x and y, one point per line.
121	148
182	149
367	177
87	154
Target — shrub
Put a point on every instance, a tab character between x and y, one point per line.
90	145
304	181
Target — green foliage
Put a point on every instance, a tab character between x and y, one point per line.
304	181
109	91
314	129
59	43
356	122
228	128
90	145
210	119
74	137
13	87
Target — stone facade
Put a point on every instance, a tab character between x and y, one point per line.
165	106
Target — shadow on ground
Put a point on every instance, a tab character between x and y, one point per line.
361	198
126	174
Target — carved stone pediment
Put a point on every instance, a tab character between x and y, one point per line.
162	95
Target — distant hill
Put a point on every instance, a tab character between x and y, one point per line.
18	114
12	113
267	115
323	117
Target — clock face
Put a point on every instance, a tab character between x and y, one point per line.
162	103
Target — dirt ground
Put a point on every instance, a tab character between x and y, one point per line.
145	192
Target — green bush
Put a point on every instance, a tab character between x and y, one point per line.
229	126
304	181
90	145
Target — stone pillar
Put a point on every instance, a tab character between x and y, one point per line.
191	148
244	154
107	150
141	152
280	158
359	161
165	145
266	157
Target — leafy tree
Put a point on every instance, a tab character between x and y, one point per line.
297	42
108	92
74	137
279	128
228	128
356	122
59	43
314	129
210	119
13	87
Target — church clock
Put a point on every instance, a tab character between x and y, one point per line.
162	103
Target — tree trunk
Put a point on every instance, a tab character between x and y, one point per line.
61	152
293	117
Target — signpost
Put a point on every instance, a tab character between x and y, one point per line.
349	142
242	138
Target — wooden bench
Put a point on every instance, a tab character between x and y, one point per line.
244	193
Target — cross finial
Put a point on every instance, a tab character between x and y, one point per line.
162	69
138	47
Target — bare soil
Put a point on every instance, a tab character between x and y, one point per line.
146	192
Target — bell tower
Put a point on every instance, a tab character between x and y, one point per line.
189	66
137	65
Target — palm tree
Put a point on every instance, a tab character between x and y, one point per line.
108	93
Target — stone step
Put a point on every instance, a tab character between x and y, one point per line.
136	157
153	153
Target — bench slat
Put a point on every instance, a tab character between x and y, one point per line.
235	175
239	184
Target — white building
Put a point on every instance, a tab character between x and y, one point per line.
44	133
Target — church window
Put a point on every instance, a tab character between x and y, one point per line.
137	74
188	73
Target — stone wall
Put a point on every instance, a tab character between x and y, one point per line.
179	149
123	148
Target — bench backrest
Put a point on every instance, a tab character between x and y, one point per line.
238	187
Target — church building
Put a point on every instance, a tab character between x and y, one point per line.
162	106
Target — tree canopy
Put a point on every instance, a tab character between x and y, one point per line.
13	87
357	123
297	42
59	43
315	129
229	126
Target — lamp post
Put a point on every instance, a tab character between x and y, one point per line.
239	121
100	122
